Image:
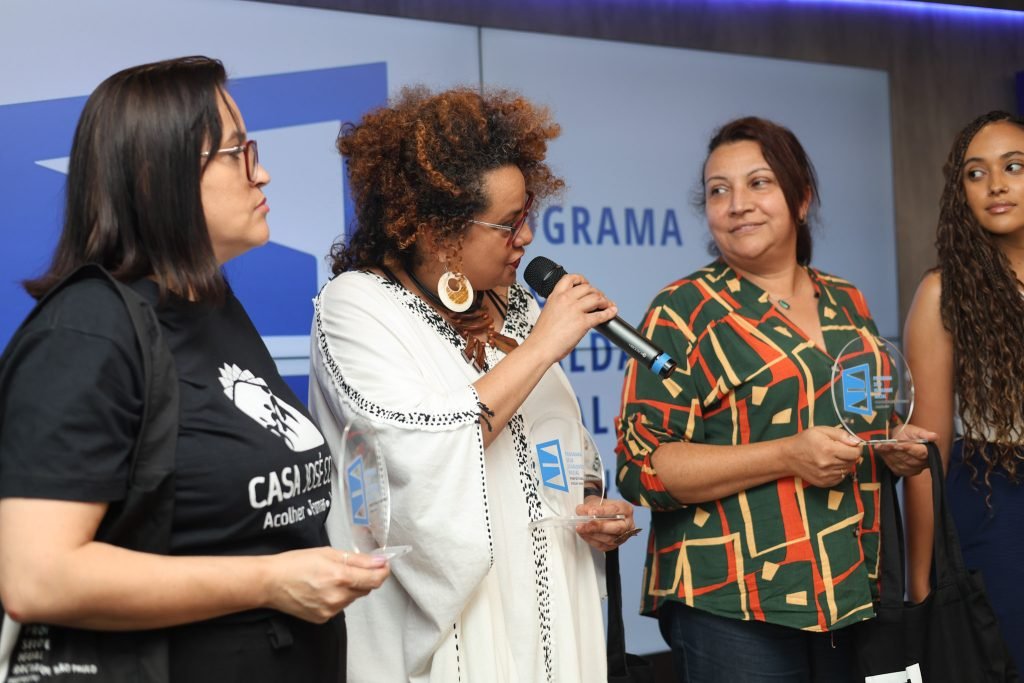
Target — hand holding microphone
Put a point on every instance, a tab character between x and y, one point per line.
550	279
573	308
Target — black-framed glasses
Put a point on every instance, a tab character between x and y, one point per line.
517	224
249	151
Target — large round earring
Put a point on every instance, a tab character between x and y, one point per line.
455	291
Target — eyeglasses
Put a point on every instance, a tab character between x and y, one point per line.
517	224
248	150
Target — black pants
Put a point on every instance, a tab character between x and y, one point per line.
277	648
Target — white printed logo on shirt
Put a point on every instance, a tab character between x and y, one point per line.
252	396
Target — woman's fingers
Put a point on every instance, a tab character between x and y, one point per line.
912	432
841	435
607	534
317	583
364	561
567	283
570	312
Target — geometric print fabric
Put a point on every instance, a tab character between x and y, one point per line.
784	552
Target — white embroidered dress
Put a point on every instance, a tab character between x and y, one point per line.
481	598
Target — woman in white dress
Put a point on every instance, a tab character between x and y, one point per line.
443	186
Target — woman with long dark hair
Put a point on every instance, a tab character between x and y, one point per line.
965	345
164	186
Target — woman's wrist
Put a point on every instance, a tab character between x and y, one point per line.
784	452
262	572
535	353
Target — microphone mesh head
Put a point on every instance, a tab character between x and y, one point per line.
543	274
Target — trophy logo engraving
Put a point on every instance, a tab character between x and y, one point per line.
856	397
357	493
552	465
872	390
366	488
567	460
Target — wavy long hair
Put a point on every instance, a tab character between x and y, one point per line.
983	310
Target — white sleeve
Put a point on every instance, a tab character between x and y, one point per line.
374	359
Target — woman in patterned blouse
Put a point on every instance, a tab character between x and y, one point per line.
765	511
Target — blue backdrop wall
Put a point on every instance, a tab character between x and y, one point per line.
635	120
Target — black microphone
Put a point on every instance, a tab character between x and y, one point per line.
543	274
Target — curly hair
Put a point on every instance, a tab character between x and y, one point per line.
983	310
419	164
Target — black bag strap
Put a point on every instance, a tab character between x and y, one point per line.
616	646
893	577
139	521
947	559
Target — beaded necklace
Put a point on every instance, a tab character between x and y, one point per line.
470	323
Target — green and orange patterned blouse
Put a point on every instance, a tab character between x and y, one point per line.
784	552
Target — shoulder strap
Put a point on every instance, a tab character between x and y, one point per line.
947	559
616	644
142	520
84	272
892	580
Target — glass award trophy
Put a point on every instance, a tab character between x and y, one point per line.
872	390
367	496
564	459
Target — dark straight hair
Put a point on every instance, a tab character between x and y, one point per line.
788	161
133	202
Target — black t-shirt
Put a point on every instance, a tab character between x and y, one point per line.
71	400
252	472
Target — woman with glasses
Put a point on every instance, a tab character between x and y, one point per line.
425	336
163	188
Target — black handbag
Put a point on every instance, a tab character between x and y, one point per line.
952	635
623	667
141	521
